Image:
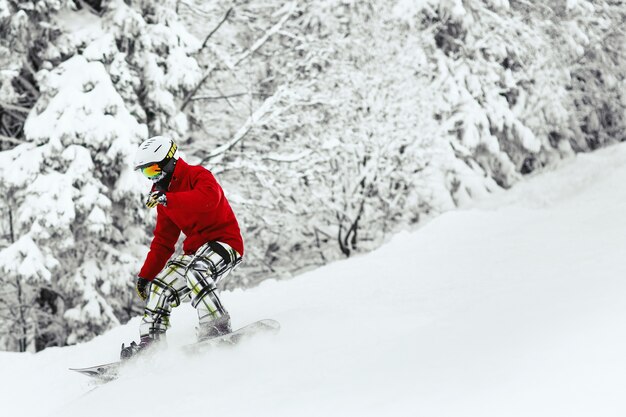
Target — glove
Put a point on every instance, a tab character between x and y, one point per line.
156	197
142	288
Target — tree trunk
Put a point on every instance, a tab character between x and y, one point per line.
22	340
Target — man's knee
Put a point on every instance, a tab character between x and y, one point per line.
162	295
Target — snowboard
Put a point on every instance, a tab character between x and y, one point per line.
110	371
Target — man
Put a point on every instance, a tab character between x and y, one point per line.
188	199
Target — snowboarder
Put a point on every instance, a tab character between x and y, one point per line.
188	199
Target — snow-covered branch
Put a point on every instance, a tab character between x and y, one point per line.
273	30
4	138
242	57
226	96
251	122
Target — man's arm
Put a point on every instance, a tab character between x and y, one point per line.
204	197
162	247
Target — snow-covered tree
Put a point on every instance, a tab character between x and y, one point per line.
107	81
72	192
25	35
355	118
146	51
26	276
331	124
326	152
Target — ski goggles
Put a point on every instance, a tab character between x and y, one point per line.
152	171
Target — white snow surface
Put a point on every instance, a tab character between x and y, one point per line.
511	307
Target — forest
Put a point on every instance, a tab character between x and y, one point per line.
330	124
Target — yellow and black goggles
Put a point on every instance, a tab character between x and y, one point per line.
151	171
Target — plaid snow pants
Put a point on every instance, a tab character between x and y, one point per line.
188	276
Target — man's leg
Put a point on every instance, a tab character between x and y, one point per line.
209	266
166	291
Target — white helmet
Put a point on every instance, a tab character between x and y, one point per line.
154	156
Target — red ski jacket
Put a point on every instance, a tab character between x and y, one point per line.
196	205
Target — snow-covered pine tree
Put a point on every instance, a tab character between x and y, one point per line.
25	275
147	53
71	194
25	35
108	79
593	32
510	99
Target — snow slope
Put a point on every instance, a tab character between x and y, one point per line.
513	307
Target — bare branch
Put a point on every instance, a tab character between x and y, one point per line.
223	97
216	28
194	9
187	99
287	158
217	86
243	56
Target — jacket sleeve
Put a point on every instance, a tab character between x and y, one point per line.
162	247
205	195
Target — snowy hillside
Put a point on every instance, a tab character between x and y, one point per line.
514	307
343	122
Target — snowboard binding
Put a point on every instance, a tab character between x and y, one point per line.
129	351
133	349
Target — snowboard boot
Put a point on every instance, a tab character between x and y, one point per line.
218	327
145	343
